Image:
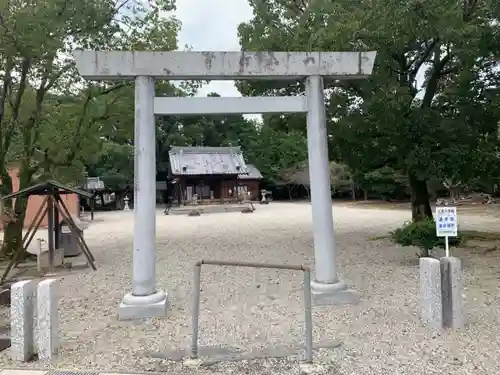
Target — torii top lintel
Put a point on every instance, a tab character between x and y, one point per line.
187	65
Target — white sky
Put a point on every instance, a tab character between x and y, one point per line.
212	25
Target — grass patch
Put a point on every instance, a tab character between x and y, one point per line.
467	235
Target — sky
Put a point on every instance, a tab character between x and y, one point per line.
212	25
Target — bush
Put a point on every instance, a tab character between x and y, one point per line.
423	235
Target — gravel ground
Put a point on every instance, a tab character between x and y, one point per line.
246	308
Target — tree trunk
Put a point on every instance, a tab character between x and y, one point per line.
307	192
420	205
13	231
7	213
290	189
120	200
365	194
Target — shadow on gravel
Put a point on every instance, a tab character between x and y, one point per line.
210	355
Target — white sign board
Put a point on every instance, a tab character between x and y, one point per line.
65	229
446	222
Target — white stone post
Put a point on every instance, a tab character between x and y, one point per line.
431	307
326	278
452	288
47	318
144	301
22	297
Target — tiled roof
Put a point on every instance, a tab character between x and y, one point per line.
207	161
253	173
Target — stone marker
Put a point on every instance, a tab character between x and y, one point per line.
126	207
452	286
430	293
23	295
47	318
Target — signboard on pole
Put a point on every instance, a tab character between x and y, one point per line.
446	222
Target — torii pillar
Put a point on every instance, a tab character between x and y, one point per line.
146	300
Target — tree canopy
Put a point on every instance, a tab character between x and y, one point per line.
431	107
51	121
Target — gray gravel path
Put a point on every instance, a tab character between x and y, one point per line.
246	308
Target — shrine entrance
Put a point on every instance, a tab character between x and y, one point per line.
146	300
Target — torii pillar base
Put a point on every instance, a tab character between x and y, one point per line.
141	307
333	294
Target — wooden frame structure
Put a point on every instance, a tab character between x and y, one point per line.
54	207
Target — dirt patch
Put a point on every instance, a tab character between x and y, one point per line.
482	242
375	204
491	210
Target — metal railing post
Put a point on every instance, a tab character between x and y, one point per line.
307	300
308	316
196	309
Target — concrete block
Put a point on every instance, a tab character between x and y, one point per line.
342	297
142	311
452	287
23	296
47	318
430	293
44	259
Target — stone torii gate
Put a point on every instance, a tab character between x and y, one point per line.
146	300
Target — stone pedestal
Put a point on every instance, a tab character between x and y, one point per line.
23	296
431	310
140	307
452	287
47	318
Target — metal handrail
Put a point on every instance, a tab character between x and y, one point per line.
307	299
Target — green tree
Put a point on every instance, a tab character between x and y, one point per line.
427	109
43	109
114	164
275	152
383	182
